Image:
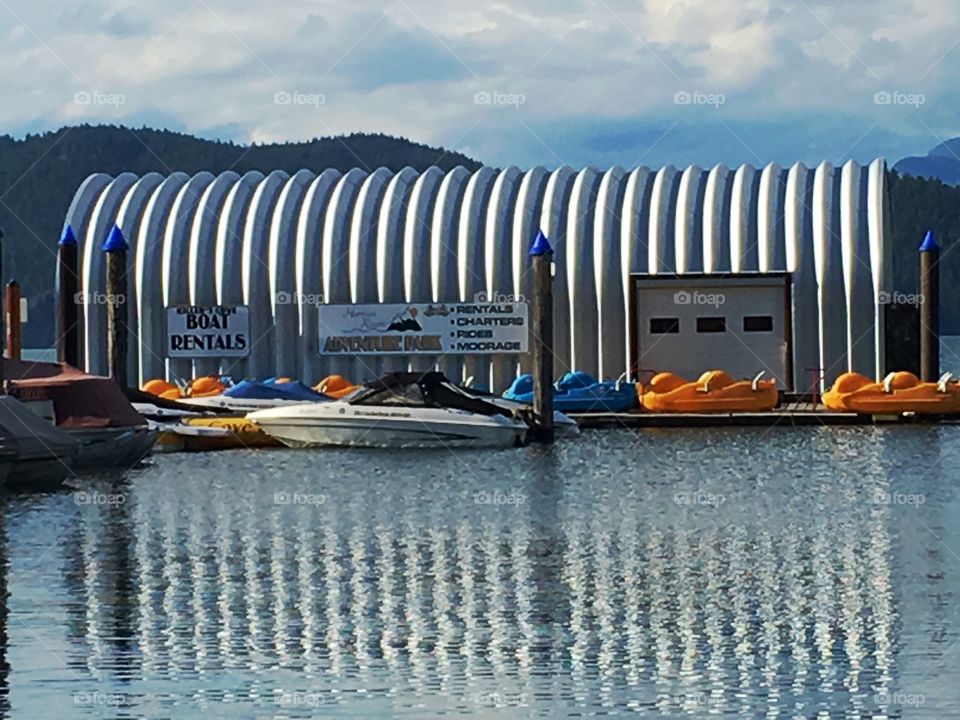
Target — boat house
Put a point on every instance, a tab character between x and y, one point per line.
800	256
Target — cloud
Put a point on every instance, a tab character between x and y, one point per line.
583	82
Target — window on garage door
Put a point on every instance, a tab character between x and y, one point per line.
664	326
711	324
758	323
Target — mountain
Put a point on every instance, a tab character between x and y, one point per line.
39	175
918	205
942	163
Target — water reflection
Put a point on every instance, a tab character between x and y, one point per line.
660	573
4	615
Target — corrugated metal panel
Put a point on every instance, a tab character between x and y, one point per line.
284	244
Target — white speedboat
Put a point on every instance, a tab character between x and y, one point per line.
399	410
564	425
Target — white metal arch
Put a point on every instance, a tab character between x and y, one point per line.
444	236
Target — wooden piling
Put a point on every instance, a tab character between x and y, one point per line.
116	249
541	254
14	336
929	309
68	315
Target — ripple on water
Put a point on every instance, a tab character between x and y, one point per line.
730	572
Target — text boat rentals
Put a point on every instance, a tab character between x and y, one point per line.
399	410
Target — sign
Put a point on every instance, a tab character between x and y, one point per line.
219	331
420	328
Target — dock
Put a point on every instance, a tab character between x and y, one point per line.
806	417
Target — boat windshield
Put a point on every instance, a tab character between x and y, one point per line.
404	396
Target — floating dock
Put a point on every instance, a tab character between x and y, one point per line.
791	418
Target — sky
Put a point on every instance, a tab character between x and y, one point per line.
549	82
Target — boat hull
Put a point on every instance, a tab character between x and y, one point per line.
342	425
244	434
901	392
38	473
113	447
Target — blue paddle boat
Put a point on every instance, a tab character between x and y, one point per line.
579	392
293	391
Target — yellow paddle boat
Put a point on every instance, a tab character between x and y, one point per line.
243	433
899	392
714	391
335	386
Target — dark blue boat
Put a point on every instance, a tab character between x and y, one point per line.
579	392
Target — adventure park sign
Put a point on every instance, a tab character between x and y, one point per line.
424	329
219	331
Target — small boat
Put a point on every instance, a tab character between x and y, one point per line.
900	392
579	392
218	422
244	433
399	410
93	409
163	414
249	396
177	437
33	453
714	391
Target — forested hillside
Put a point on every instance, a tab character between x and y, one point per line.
916	205
39	175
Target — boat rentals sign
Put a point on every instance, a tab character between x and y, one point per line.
419	328
216	331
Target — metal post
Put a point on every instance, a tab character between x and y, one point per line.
68	316
929	309
116	249
542	325
14	344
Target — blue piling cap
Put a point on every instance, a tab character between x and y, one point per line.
541	246
929	243
115	241
68	238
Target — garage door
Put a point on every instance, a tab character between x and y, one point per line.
690	324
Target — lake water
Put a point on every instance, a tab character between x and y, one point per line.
804	572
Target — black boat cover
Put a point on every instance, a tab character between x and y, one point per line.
24	435
426	389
